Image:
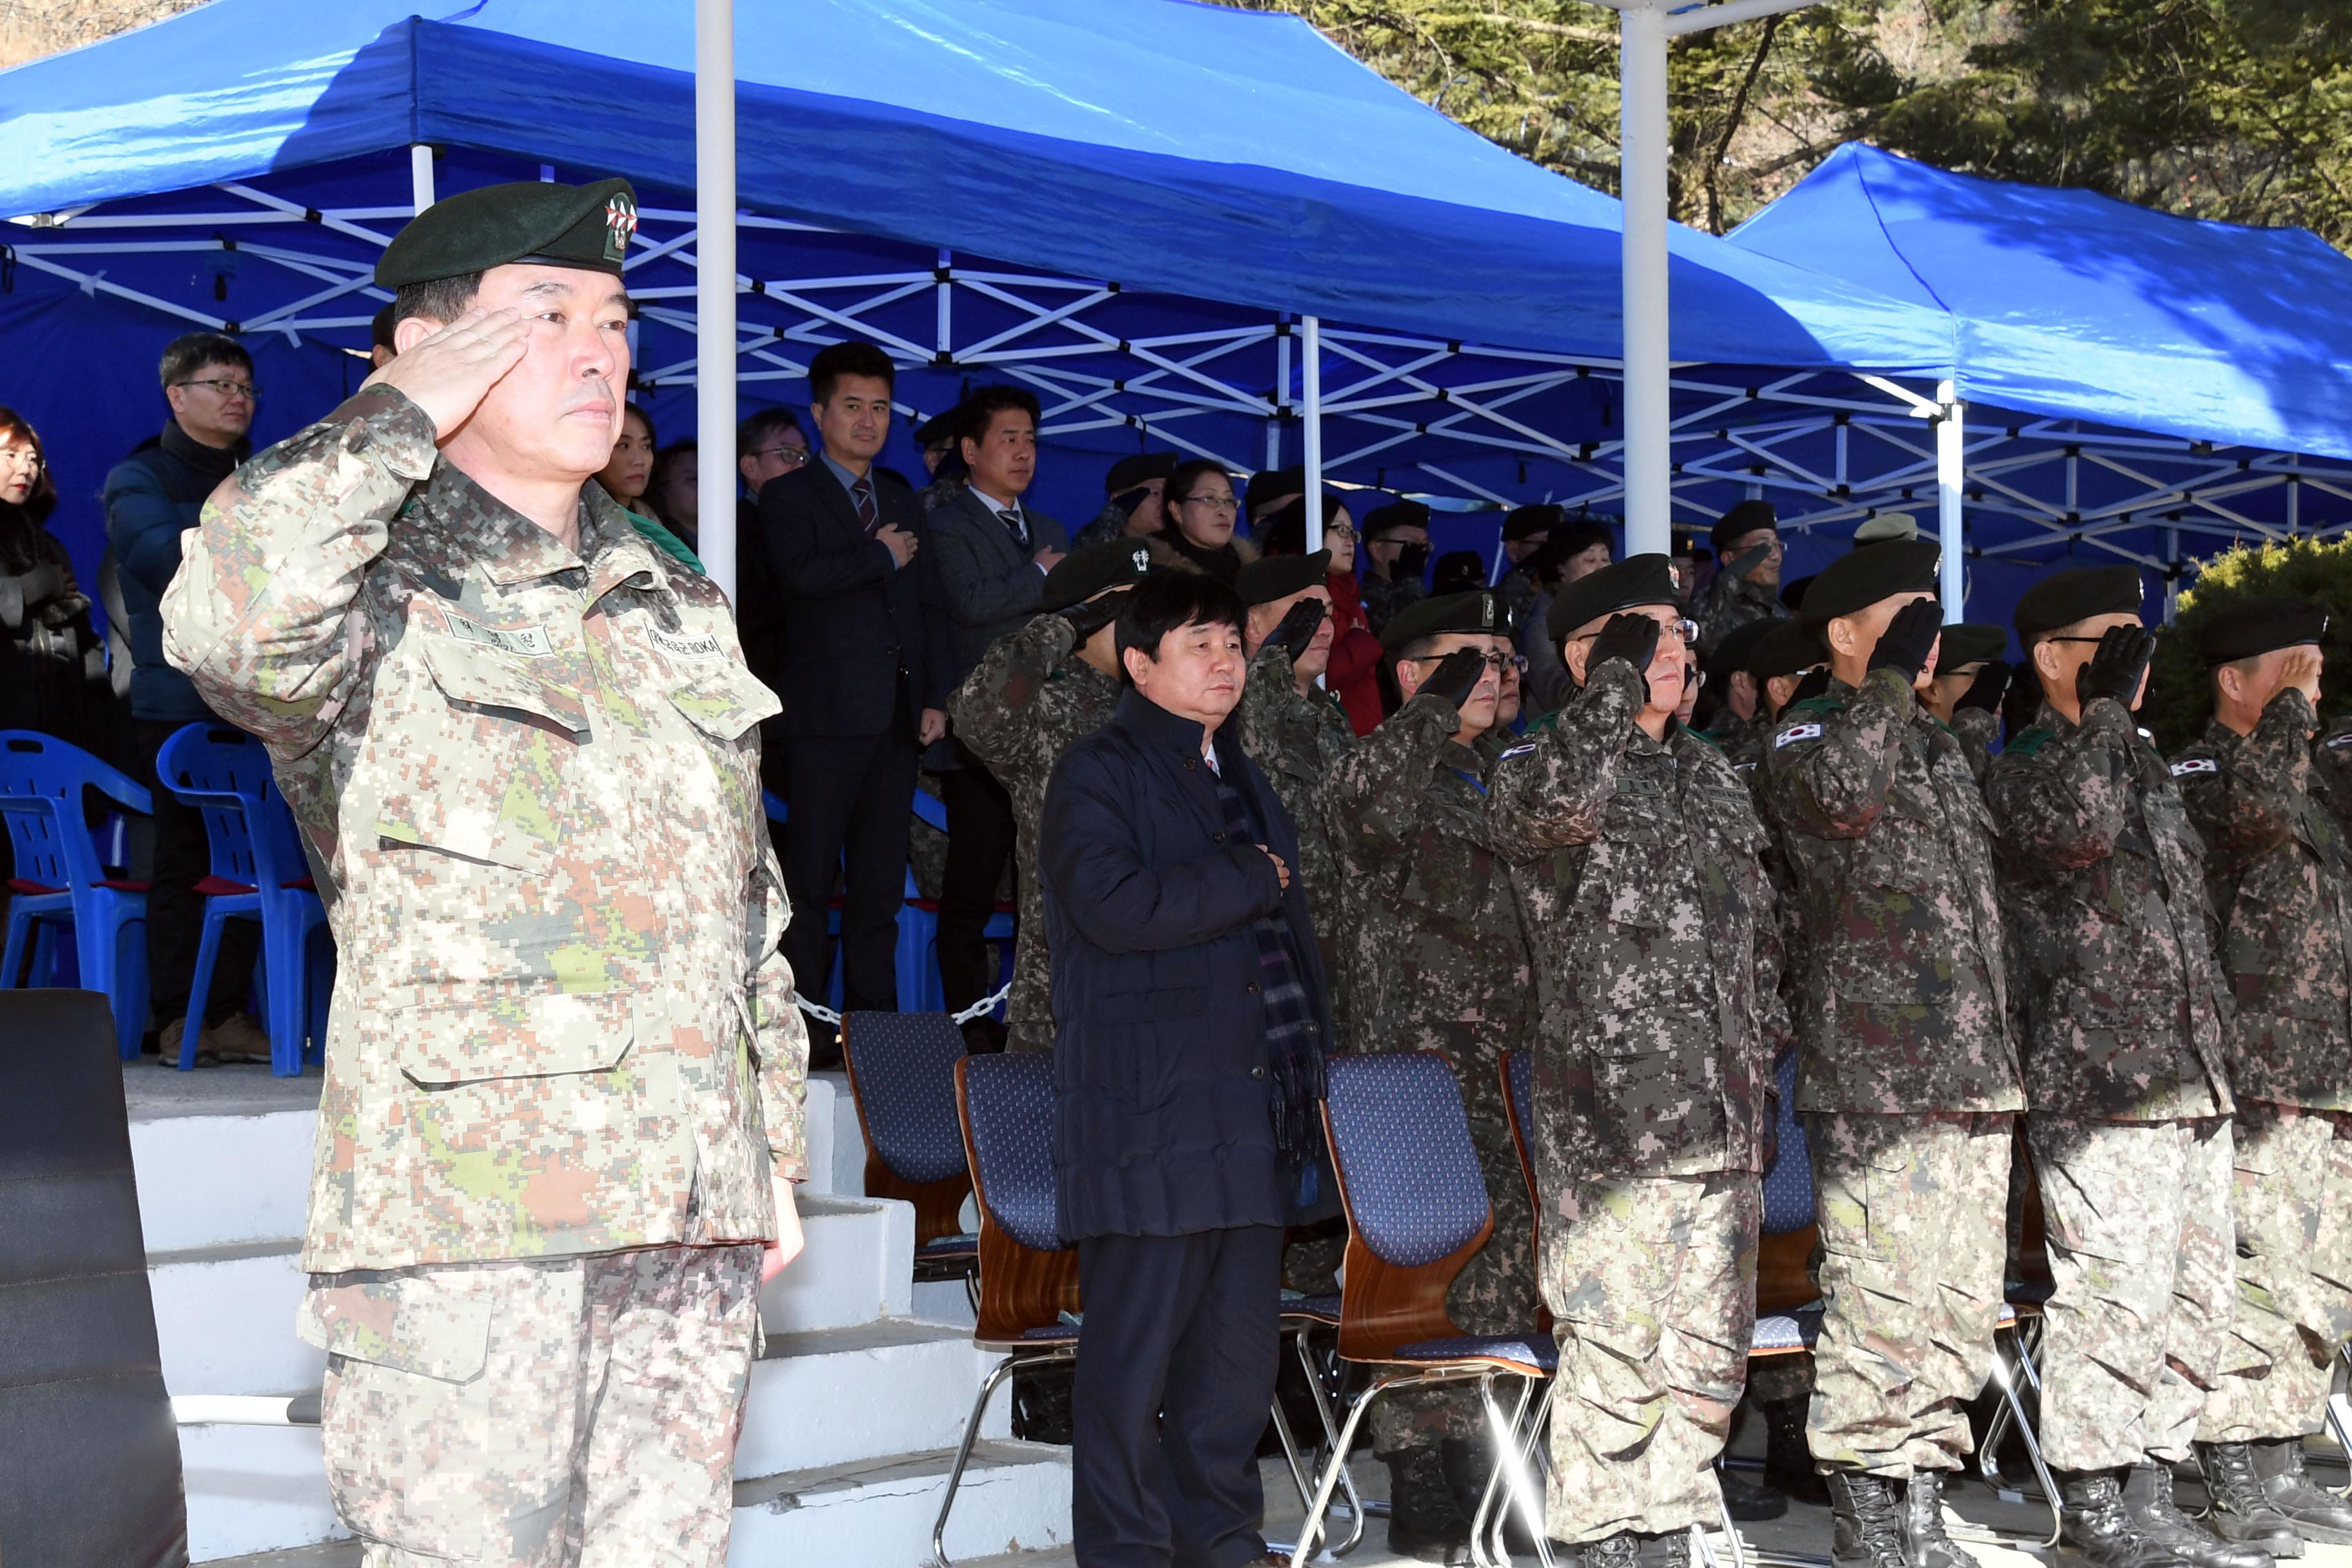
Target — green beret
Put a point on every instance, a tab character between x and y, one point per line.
1970	642
1283	531
1736	648
1789	647
1276	484
939	428
1860	578
1396	514
1137	468
1526	522
2076	595
2258	626
532	220
1481	613
1272	577
1745	518
1632	584
1886	528
1083	573
1792	593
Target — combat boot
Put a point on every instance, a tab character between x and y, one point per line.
1748	1502
1469	1469
2097	1528
1926	1543
1621	1551
2242	1511
1670	1550
1864	1529
2317	1515
1788	1458
2148	1497
1423	1523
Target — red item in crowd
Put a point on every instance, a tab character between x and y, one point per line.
1354	673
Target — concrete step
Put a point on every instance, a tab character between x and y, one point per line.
219	1181
847	1395
858	1266
1015	1496
323	1554
254	1488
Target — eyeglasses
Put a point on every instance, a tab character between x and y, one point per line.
1338	531
228	388
793	457
1225	504
2152	631
23	456
1687	630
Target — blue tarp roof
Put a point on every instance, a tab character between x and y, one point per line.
2069	303
1189	149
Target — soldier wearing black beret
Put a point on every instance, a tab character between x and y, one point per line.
1747	540
1971	677
1731	709
1135	502
2275	875
1525	529
1396	547
566	1056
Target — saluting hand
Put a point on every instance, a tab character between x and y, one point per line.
1457	676
1298	626
449	373
1985	691
2300	669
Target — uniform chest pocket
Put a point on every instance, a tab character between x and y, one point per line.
725	701
502	685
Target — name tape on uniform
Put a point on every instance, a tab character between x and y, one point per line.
1796	732
2195	765
531	642
694	645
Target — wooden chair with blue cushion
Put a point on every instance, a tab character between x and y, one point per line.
902	1077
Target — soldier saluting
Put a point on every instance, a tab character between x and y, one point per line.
2276	873
563	1107
1909	1077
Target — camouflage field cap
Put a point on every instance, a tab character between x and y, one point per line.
588	226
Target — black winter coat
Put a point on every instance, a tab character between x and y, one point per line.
1162	1121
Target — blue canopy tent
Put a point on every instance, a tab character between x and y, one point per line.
1134	216
2136	385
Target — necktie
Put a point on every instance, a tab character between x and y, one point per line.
1012	523
862	492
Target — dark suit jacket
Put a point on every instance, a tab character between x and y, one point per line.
854	621
1163	1123
988	582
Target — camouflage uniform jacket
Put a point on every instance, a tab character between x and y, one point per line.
1978	728
1519	591
1384	597
1732	601
1741	741
2276	875
1018	711
1658	955
2102	887
1406	815
1906	992
1107	525
1297	739
2331	769
528	781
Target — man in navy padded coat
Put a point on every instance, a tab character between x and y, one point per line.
1191	1025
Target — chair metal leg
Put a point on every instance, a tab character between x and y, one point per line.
997	1375
1511	1443
1313	1523
2001	1375
1331	1445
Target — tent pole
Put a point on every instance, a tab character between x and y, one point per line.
714	288
1311	372
1641	179
420	176
1951	432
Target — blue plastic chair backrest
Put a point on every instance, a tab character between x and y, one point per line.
1789	1184
277	846
931	809
1009	1101
1401	1142
53	846
222	772
902	1066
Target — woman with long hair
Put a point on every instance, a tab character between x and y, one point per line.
1198	535
632	477
44	615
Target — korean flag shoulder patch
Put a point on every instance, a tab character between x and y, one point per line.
2188	765
1808	731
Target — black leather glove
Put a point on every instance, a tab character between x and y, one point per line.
1457	674
1748	559
2021	703
1985	691
1908	639
1297	627
1088	617
1633	638
1815	683
2115	670
1128	502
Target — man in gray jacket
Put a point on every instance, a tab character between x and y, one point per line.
994	554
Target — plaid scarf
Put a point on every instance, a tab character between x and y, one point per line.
1296	1081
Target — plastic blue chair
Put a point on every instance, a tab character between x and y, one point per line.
61	883
258	874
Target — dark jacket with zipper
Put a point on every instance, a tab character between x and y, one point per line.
1163	1119
154	497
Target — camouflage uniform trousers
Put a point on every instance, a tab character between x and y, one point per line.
2292	1197
1653	1290
572	1411
1494	1294
1912	1255
2137	1331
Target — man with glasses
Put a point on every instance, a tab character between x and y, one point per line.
1634	851
1747	540
1444	967
1525	529
1910	1076
2103	886
1396	544
154	499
